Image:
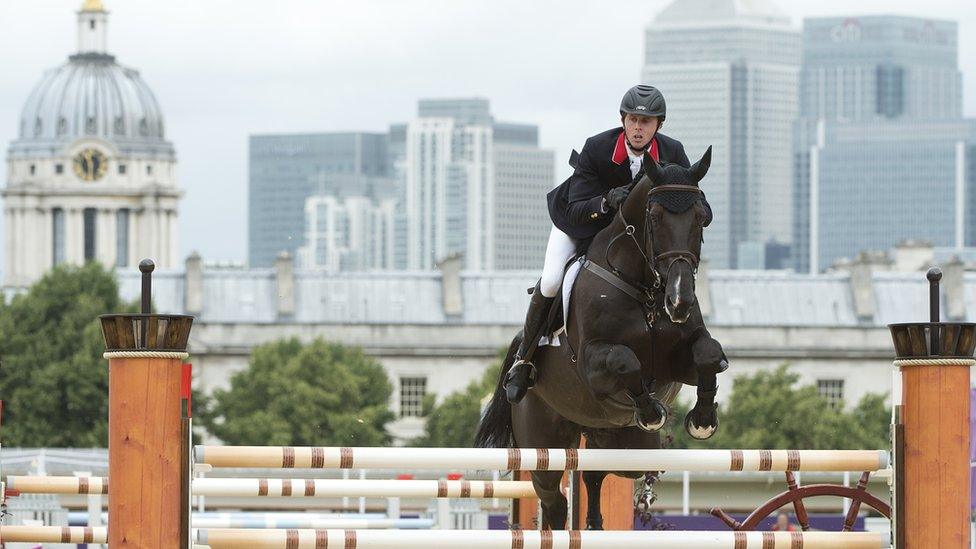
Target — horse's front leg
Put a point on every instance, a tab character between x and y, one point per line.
611	368
702	421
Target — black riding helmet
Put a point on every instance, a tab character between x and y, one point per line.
644	100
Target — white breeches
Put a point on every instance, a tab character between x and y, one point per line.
559	250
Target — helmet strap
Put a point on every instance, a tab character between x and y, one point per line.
636	149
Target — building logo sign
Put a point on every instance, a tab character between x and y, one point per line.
926	34
848	31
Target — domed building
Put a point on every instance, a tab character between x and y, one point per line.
91	176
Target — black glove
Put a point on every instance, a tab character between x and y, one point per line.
616	196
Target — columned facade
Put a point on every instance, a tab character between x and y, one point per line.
91	176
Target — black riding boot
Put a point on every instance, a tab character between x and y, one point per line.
521	376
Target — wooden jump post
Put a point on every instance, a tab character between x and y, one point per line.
931	429
147	448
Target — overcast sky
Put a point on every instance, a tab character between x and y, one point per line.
224	69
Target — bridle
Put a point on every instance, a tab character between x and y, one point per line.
646	295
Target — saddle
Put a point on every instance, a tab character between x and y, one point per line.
558	318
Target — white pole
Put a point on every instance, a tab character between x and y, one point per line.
362	500
345	499
371	488
686	493
846	503
393	508
444	514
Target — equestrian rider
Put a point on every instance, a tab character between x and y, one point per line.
586	202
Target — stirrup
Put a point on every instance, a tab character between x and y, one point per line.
515	392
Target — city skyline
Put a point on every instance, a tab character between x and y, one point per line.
286	75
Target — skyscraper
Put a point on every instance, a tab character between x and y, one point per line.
91	176
728	70
350	234
882	153
470	186
285	170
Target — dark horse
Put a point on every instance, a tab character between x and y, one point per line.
635	334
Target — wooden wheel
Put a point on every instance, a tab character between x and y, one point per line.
796	494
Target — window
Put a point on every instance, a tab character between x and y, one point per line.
59	169
832	390
412	391
92	24
122	238
33	169
57	226
90	215
148	169
121	169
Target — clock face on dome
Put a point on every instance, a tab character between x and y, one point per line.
90	164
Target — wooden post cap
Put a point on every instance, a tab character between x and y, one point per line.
146	331
933	339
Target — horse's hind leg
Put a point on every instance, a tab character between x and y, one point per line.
594	483
555	508
535	425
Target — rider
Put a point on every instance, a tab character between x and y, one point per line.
585	203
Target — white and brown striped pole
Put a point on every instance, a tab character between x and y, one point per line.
58	485
533	539
329	488
51	534
557	459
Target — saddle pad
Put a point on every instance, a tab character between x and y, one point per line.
572	271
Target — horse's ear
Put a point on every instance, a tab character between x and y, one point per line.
700	168
653	170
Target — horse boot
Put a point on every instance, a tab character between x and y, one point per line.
521	376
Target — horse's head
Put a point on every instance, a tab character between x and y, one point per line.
674	220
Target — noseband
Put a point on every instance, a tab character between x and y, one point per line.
689	195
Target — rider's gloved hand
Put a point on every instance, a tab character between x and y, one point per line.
615	197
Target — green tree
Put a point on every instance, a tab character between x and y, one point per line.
320	394
52	375
453	422
769	410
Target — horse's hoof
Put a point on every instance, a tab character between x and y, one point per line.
704	428
653	418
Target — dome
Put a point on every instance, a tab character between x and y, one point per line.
91	96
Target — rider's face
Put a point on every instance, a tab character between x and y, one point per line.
640	129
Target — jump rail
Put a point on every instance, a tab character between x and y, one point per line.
288	487
327	488
510	459
52	534
531	539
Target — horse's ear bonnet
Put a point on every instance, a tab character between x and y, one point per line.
672	174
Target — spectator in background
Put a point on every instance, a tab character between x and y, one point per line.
783	523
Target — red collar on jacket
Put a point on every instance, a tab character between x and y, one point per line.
620	151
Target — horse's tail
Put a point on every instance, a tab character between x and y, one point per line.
495	429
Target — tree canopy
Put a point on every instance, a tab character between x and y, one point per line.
52	374
769	409
453	422
319	394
